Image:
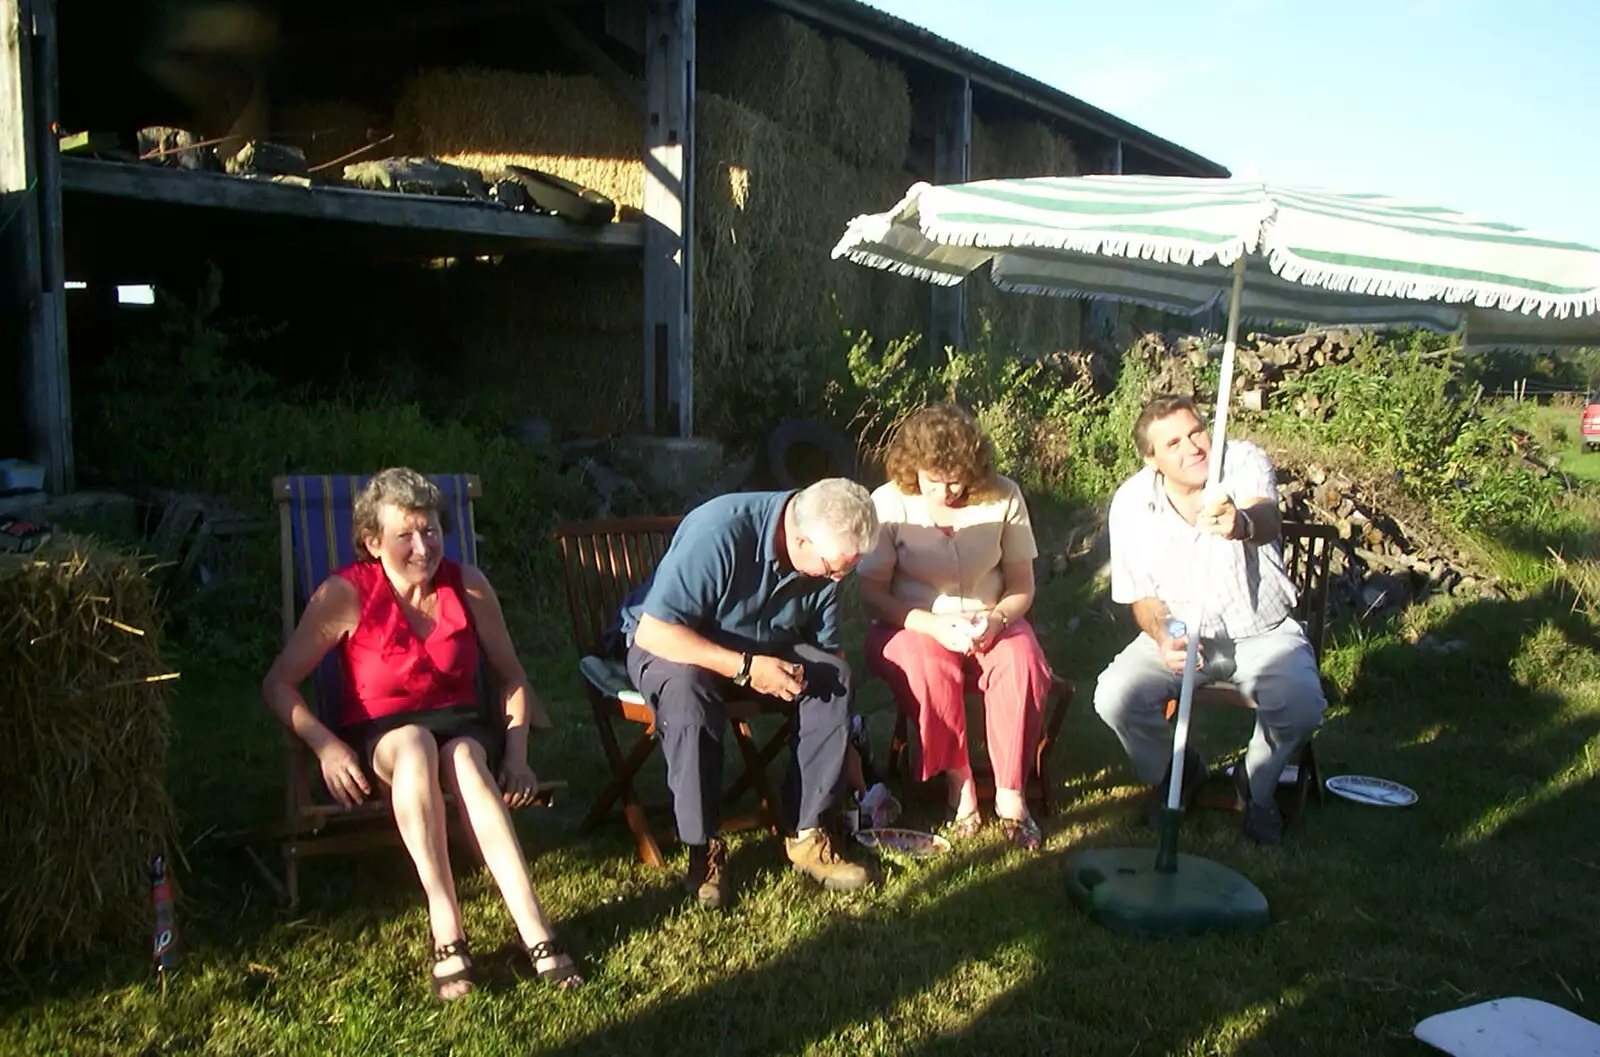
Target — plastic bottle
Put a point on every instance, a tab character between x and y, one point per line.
164	950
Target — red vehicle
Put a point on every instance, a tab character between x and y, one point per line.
1591	422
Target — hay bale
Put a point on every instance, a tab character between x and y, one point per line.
576	128
1023	325
869	122
560	340
1011	149
330	129
771	63
83	730
770	205
827	89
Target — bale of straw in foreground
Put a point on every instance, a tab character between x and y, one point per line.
572	127
83	732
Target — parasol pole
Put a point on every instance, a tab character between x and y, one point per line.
1167	853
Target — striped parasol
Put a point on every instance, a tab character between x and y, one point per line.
1308	256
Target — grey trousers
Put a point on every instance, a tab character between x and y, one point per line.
1276	669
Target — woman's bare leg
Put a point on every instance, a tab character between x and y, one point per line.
466	768
407	760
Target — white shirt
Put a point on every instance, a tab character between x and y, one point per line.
956	570
1225	588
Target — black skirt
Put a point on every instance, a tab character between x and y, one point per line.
445	724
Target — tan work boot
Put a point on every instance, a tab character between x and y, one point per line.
708	875
813	855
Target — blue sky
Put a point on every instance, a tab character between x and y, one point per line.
1488	106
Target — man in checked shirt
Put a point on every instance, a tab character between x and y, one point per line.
1215	564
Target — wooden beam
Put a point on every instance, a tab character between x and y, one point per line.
382	208
13	127
34	292
52	377
952	163
625	23
595	57
669	217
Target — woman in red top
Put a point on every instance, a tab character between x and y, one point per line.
409	624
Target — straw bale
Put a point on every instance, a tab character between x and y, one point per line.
332	128
560	340
1013	148
770	205
869	123
1024	325
773	64
84	731
576	128
825	88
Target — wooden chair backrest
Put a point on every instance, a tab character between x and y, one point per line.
601	562
1306	550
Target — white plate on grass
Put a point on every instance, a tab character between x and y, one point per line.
911	843
1511	1027
1364	789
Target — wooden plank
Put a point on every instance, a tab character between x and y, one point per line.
625	23
13	129
600	64
952	163
669	217
52	386
379	208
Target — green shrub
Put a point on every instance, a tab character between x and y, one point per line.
178	408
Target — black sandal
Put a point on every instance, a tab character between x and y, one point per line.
458	949
556	976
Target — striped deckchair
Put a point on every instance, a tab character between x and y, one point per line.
314	522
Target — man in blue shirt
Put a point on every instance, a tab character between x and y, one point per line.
746	600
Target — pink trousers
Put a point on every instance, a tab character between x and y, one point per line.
929	684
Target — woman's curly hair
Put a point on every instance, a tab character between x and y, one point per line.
399	486
942	439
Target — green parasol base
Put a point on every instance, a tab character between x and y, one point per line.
1122	889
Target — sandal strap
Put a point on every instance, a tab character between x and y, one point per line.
553	947
453	949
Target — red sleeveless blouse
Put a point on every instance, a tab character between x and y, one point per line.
386	668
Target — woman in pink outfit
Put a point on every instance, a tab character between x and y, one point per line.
948	587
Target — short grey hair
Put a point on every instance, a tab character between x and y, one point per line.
398	486
841	508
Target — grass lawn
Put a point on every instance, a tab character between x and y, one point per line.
1559	430
1488	887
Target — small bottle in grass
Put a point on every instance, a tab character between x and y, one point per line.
164	950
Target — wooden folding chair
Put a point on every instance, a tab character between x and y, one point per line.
1057	700
603	561
314	521
1306	550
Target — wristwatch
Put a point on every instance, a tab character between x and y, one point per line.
743	678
